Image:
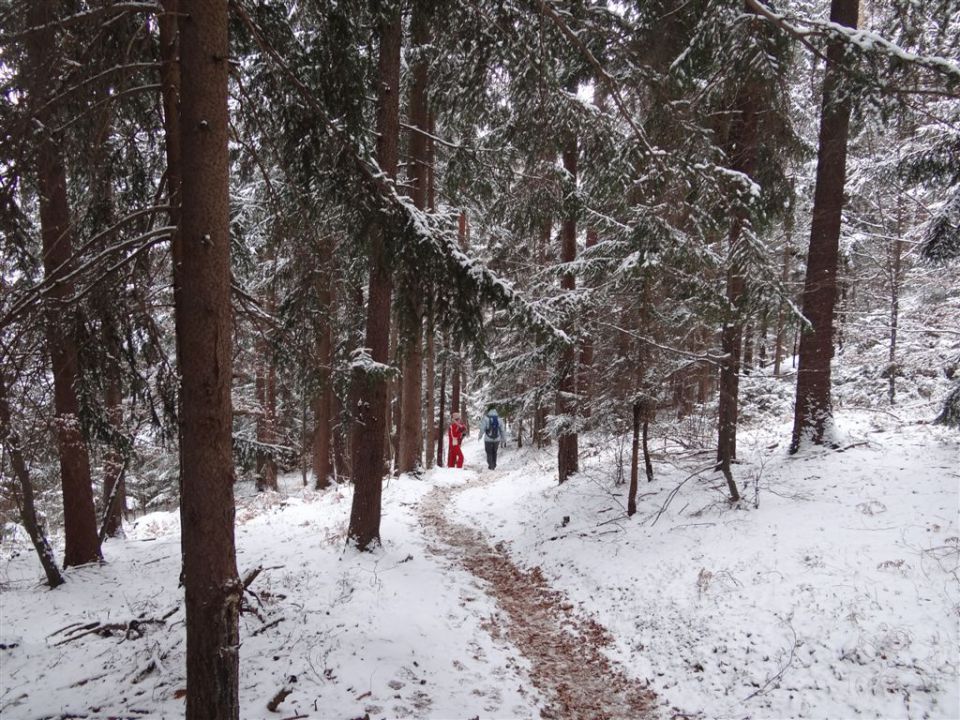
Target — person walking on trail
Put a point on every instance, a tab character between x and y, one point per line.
492	434
455	433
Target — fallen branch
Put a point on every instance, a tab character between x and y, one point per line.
282	694
673	493
267	626
68	627
131	630
779	675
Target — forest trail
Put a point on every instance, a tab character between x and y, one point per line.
563	648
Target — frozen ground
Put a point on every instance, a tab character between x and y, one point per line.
832	592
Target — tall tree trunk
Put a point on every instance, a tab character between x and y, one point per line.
391	437
634	461
411	394
204	330
23	495
323	397
431	381
369	422
539	433
432	429
411	438
82	543
441	405
568	454
341	455
813	412
455	385
742	151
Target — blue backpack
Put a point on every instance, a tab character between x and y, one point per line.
493	427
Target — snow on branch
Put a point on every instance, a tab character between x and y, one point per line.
400	211
867	42
81	17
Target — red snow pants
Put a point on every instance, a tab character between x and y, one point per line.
455	458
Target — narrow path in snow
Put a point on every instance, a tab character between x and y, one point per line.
564	650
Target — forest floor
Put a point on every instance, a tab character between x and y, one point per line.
832	591
564	648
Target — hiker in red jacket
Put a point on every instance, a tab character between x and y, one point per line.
455	435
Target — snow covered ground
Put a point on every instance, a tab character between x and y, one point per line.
833	592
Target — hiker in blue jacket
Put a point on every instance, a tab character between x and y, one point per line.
492	434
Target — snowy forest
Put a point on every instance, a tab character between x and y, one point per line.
561	359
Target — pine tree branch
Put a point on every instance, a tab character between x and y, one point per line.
548	9
864	41
81	17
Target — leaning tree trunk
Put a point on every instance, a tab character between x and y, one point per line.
204	331
23	495
82	543
369	422
813	412
567	442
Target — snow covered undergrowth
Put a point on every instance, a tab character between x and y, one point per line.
394	633
837	597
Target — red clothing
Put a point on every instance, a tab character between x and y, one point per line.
455	436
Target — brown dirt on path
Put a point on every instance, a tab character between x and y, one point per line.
564	650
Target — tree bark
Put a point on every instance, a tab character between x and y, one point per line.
567	440
369	422
411	439
432	429
742	151
813	411
79	515
204	330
